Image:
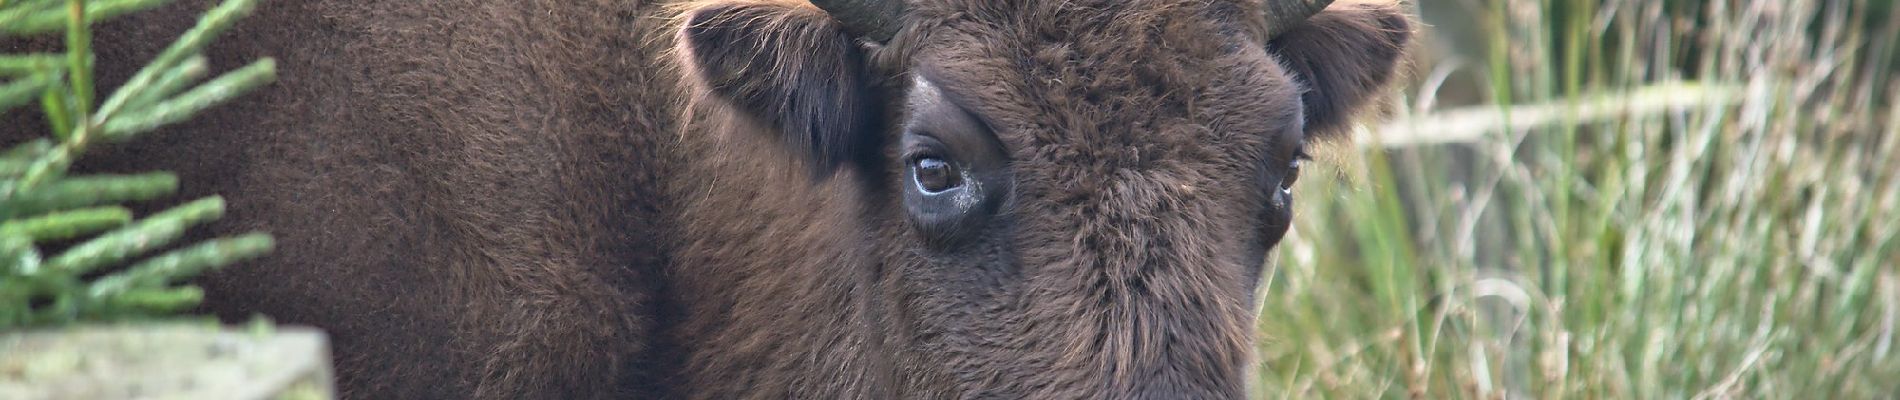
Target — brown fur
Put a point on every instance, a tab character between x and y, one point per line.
540	199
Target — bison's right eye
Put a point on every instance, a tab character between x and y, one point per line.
935	175
953	171
946	199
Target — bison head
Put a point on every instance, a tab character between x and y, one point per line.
1065	198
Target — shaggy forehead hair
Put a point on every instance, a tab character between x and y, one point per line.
1355	45
1119	84
1129	25
1165	48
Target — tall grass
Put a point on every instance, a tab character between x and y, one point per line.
1742	247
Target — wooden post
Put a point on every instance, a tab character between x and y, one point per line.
165	361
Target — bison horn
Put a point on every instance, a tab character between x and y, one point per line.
1283	15
874	20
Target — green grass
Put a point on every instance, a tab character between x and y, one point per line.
1742	246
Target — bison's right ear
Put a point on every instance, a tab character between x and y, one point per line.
1346	56
789	67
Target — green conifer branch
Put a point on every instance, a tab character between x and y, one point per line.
32	148
153	300
146	235
79	55
88	191
21	91
179	108
67	225
17	255
181	264
40	204
168	84
14	12
39	17
191	43
28	64
55	107
49	166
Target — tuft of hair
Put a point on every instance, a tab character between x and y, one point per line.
787	66
1346	56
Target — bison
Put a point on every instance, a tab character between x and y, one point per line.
768	199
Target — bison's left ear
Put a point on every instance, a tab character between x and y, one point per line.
789	67
1345	55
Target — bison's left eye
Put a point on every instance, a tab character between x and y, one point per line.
1292	176
935	175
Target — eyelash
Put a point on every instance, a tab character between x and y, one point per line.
922	149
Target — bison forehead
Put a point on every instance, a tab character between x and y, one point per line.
1134	84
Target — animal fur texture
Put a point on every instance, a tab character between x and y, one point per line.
640	199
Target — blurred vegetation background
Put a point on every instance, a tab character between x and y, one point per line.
1608	199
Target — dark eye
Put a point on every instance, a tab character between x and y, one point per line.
1292	175
935	175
